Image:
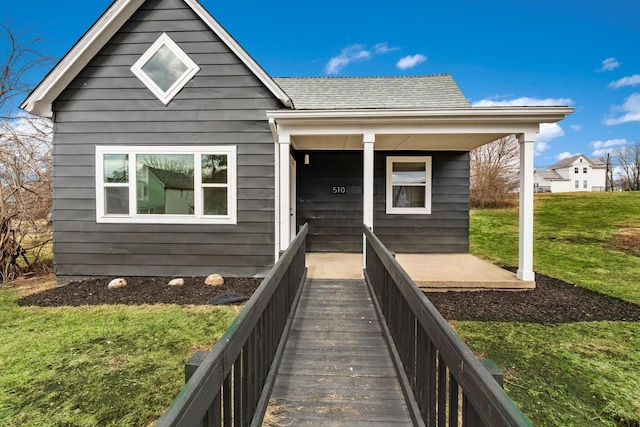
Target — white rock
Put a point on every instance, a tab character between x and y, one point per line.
117	283
176	282
214	280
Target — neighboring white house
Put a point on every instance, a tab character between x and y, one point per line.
577	173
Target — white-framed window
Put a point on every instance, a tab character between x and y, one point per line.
576	170
165	68
408	185
166	185
584	184
577	184
584	170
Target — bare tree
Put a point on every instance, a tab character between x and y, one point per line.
494	173
19	54
628	159
25	159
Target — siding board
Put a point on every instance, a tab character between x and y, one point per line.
335	221
224	104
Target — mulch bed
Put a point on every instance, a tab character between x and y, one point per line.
140	290
552	301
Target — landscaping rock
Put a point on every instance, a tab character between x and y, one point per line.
214	280
176	282
117	283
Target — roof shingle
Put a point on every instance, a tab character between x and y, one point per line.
334	93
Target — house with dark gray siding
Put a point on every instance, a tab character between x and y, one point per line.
175	153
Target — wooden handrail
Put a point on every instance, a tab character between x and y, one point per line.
229	383
448	382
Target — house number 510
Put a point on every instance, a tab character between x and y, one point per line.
339	190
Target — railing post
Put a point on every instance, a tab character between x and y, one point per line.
193	363
494	370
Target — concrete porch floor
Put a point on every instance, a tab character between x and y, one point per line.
433	272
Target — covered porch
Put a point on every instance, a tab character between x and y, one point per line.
431	272
427	130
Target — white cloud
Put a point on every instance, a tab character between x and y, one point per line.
603	147
576	127
630	110
609	64
626	81
524	102
540	147
353	53
565	155
411	61
549	131
382	48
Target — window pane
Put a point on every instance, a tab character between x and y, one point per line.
408	196
164	68
165	184
409	173
116	168
117	200
214	169
215	200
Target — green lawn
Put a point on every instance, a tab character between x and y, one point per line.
97	366
577	374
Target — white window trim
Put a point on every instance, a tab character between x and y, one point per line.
198	217
389	185
192	69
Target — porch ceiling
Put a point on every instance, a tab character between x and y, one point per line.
396	142
459	129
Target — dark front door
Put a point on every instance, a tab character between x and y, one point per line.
330	200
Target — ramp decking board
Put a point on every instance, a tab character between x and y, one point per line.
336	369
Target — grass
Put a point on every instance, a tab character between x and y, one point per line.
577	374
104	365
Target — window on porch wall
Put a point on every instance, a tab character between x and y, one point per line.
409	185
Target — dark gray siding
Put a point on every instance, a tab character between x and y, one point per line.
106	104
446	230
335	220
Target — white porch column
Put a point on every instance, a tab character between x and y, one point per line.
368	140
284	141
525	248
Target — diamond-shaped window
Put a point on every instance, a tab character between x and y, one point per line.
164	68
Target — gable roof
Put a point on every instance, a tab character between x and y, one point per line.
596	163
335	93
39	101
172	179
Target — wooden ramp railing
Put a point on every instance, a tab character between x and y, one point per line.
232	384
444	384
450	386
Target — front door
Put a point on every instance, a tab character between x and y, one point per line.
329	199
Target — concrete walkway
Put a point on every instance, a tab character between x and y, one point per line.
434	272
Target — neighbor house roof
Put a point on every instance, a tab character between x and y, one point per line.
173	180
39	101
550	175
596	163
346	93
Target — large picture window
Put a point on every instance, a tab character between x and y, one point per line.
166	184
409	185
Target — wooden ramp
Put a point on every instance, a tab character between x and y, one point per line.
336	368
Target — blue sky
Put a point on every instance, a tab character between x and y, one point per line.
501	52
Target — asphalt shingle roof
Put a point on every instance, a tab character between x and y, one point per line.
333	93
569	161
